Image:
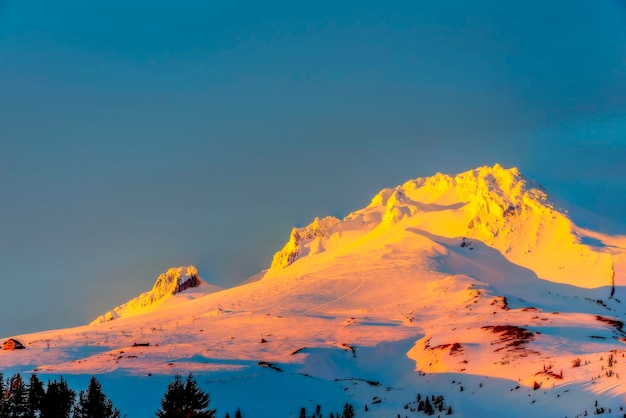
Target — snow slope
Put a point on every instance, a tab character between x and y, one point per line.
471	286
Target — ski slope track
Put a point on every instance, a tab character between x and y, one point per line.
473	286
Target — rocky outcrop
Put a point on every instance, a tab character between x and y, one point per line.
173	281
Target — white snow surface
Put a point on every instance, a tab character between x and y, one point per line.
473	286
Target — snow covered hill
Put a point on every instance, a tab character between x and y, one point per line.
473	286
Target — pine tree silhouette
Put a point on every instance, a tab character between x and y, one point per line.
185	400
94	404
173	401
3	396
348	411
16	397
58	400
428	407
35	396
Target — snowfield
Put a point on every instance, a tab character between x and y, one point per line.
473	286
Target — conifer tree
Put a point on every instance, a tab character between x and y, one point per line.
185	400
302	412
94	404
3	396
16	403
58	400
173	401
348	411
35	396
198	401
238	413
428	407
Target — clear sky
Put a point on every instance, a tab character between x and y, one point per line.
138	135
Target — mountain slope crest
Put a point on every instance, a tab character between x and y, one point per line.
169	283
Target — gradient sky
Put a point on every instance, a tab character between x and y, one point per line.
138	135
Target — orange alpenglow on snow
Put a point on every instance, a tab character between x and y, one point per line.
473	286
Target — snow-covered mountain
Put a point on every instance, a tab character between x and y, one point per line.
473	286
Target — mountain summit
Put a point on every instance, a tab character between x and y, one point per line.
474	288
496	206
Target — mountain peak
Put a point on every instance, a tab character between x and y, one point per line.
174	280
488	194
495	183
497	206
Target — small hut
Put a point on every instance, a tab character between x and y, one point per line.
12	344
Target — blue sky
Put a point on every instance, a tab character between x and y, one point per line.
140	135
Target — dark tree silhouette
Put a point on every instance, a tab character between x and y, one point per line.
16	397
348	411
173	401
428	407
94	404
35	397
3	396
185	400
318	411
58	400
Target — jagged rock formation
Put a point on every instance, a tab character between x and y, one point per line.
173	281
300	240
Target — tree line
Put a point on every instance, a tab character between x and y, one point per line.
19	399
182	399
30	400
